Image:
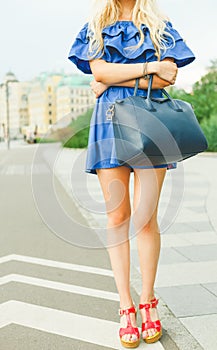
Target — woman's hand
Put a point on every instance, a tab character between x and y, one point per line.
167	70
98	88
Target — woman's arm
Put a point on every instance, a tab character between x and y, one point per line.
158	83
116	73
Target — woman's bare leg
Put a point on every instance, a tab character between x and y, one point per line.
115	187
147	188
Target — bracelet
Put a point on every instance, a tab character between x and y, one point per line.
145	73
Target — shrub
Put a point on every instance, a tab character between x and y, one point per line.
80	130
210	130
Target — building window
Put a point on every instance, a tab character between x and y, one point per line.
49	104
50	113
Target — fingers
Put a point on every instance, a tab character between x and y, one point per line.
168	71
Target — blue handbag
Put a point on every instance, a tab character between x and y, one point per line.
154	131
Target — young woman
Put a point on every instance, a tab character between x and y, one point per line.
120	36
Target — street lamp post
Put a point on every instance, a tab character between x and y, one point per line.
7	114
7	110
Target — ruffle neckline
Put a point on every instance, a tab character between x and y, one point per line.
126	28
122	34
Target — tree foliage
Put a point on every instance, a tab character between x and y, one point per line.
203	98
80	131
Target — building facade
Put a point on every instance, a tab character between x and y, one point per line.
42	102
74	96
9	106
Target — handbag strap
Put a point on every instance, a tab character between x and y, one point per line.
149	86
175	105
136	87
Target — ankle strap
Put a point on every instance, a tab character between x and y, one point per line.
127	311
153	303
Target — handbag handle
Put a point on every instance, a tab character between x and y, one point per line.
175	105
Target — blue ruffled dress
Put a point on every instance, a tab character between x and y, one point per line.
118	36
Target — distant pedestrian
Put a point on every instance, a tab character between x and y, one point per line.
113	26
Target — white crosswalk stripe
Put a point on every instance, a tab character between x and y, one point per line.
64	287
55	321
64	323
56	264
23	169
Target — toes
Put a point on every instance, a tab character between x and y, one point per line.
133	337
128	337
125	337
144	334
150	332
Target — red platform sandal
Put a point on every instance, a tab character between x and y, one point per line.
148	324
129	329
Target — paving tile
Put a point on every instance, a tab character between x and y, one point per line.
167	256
134	258
170	256
194	203
174	240
198	210
212	287
193	196
199	252
201	226
187	273
189	226
187	215
189	300
180	228
200	238
203	328
188	239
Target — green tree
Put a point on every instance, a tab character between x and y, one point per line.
203	98
204	94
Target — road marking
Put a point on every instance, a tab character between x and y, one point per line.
64	287
56	264
74	326
23	169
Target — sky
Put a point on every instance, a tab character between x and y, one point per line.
36	35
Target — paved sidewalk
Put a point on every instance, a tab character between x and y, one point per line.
49	286
53	295
187	276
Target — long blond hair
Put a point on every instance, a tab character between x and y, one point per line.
107	12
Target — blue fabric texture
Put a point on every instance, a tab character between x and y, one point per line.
117	37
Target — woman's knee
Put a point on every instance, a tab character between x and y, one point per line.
118	218
146	224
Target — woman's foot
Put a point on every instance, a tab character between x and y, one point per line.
129	332
151	325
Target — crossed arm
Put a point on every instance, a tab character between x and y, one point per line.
118	74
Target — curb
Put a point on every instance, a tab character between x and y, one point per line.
175	335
